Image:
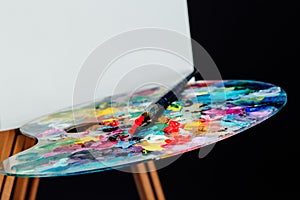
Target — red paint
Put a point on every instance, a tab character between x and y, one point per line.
178	139
116	132
122	137
112	123
137	122
168	141
173	127
204	84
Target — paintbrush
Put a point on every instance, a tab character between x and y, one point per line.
155	110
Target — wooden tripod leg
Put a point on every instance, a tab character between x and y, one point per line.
7	140
155	181
143	180
34	188
9	182
26	188
12	142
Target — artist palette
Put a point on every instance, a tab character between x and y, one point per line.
94	136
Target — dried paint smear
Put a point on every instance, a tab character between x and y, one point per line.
94	137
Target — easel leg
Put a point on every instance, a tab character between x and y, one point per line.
155	181
12	142
147	183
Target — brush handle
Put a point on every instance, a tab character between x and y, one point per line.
155	110
173	94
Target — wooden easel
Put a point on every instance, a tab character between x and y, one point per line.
15	188
147	183
12	142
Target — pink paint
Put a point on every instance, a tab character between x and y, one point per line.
81	149
261	113
215	112
69	148
86	133
49	132
51	154
232	110
235	110
103	144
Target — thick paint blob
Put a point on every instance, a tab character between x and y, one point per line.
104	138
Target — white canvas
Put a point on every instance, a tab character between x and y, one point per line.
43	45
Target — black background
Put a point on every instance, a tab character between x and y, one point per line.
247	40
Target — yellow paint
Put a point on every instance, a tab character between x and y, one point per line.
107	111
228	88
174	107
86	139
201	93
192	125
256	98
109	120
103	105
151	146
